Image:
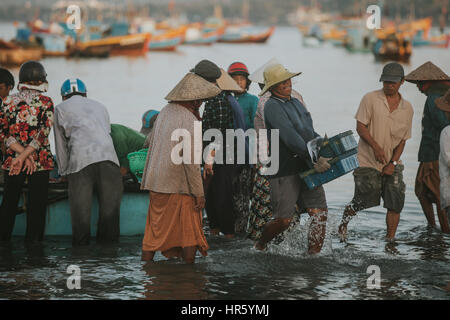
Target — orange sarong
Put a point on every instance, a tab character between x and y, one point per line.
172	224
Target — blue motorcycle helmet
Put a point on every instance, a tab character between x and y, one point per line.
71	86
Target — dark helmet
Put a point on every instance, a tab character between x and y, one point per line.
32	71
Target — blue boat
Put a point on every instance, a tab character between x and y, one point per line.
53	44
133	212
205	36
165	44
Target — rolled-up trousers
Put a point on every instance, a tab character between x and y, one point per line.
104	178
36	204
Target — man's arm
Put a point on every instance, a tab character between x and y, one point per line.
389	168
62	150
364	133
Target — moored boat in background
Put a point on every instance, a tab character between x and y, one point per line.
13	55
199	35
246	34
132	45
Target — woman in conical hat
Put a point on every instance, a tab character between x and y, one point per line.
433	82
294	124
261	209
174	222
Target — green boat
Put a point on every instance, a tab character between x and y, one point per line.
133	211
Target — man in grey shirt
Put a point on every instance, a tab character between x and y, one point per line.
86	156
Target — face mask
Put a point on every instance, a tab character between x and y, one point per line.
42	87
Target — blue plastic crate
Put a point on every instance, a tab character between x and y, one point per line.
340	166
338	145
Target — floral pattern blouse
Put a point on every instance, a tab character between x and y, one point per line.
27	118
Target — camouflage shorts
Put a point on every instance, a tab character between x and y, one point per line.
371	186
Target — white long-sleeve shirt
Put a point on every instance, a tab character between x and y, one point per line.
82	134
444	167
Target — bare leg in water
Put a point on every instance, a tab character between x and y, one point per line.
427	207
349	213
316	233
187	253
317	229
443	219
147	255
392	220
271	230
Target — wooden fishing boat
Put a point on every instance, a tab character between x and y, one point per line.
12	55
169	44
393	47
133	212
53	45
134	44
359	40
246	35
202	36
90	52
441	41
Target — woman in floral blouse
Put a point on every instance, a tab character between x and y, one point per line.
25	124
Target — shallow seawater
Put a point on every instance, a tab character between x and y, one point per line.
332	83
233	269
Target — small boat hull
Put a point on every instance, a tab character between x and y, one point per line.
91	52
205	37
133	217
165	44
440	42
14	56
247	38
131	45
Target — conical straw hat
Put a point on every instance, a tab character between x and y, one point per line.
276	74
193	87
227	83
427	72
258	75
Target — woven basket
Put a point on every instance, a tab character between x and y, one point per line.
137	162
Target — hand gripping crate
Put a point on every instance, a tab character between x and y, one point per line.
340	165
338	145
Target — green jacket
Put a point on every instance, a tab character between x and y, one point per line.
433	122
249	104
126	140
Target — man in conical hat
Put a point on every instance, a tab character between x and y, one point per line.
432	82
174	222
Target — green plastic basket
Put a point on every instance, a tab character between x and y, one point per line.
137	162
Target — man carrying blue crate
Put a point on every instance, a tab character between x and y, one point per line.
384	121
288	115
85	154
